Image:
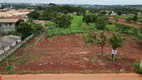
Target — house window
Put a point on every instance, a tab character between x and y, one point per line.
10	24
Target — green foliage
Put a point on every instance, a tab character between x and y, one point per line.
9	69
92	26
49	23
101	22
93	60
25	29
34	15
116	41
129	30
63	21
129	19
88	38
110	27
89	18
135	17
102	40
37	27
76	27
137	68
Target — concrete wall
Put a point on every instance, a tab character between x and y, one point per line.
9	52
5	27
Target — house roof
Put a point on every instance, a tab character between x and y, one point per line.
8	40
8	20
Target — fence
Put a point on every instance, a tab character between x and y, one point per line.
13	49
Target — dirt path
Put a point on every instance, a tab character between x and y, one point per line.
130	76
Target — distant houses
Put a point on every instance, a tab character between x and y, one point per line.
7	25
6	43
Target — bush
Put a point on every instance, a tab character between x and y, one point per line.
88	38
137	68
9	69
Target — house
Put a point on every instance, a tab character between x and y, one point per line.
7	43
7	25
39	22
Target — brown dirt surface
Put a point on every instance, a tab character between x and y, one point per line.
130	76
70	54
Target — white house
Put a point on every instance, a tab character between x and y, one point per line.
7	43
7	24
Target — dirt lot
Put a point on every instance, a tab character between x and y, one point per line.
70	54
125	76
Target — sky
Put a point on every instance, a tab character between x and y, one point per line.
101	2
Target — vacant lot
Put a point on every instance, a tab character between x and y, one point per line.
70	54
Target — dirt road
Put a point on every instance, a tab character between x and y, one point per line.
130	76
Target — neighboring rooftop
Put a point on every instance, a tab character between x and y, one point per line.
7	40
8	20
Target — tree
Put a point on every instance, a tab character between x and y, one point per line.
37	27
135	17
34	15
101	22
63	21
129	19
119	13
25	29
102	41
88	18
116	41
18	22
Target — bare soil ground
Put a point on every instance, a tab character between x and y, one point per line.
123	21
70	54
129	76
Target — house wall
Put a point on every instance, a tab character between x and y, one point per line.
13	44
19	40
7	48
5	27
1	52
10	51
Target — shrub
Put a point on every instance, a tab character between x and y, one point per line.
88	38
137	68
9	69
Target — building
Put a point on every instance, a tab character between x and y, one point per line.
7	25
7	43
39	22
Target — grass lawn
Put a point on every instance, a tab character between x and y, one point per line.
77	26
111	27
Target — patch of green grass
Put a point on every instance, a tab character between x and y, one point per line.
111	27
124	17
76	21
93	60
48	23
76	27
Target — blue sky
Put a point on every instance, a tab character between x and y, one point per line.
107	2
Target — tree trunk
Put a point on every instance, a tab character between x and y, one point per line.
102	50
